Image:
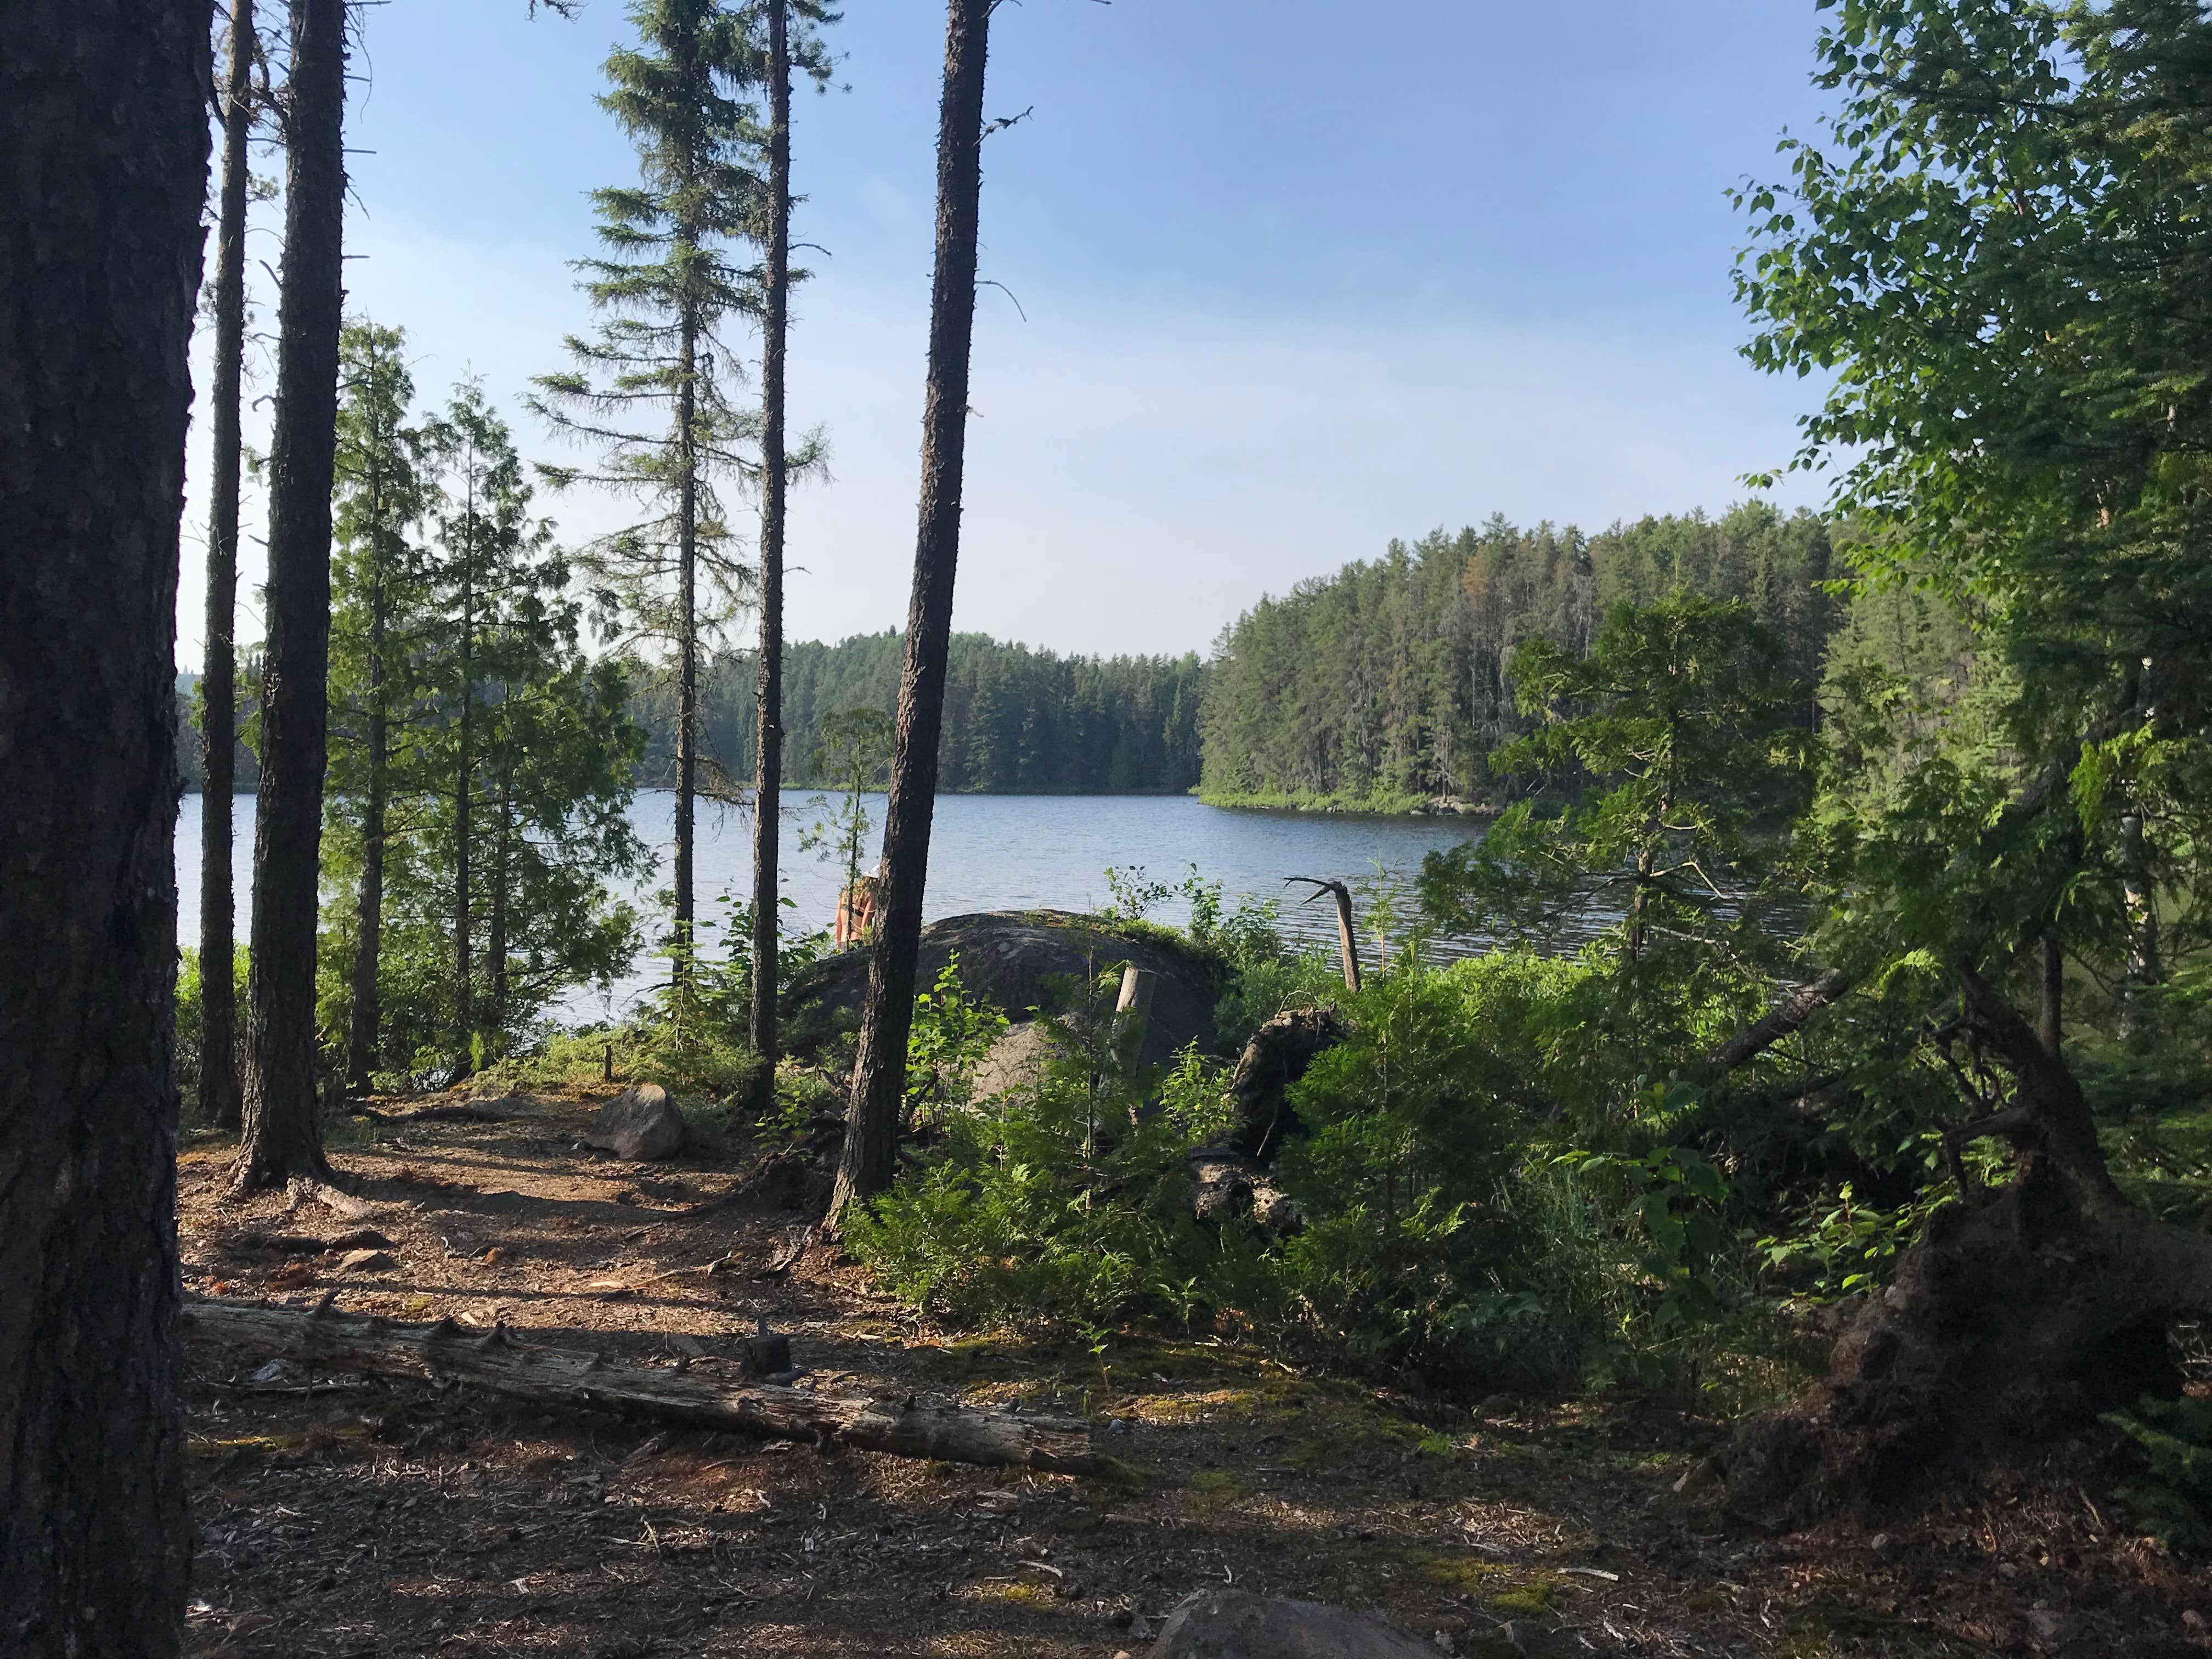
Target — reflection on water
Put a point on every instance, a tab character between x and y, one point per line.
1013	852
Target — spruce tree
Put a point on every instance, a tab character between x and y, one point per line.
651	389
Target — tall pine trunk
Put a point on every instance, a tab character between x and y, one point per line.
368	911
687	649
219	681
103	164
870	1152
768	793
282	1138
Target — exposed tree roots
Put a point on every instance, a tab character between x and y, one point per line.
2018	1317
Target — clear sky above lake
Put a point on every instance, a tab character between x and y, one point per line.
1299	276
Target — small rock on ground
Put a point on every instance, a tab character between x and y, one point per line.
641	1124
1233	1623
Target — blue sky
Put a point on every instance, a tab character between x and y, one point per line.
1299	276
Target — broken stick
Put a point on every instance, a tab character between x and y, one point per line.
498	1362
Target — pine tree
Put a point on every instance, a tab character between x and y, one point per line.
219	1100
511	758
776	280
870	1159
282	1138
104	130
668	284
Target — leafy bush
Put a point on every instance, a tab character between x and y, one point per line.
1063	1205
188	1019
947	1041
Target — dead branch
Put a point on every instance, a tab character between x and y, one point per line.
1779	1021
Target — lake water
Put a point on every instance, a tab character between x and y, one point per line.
1003	853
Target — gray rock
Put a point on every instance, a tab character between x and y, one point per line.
1010	958
1233	1623
366	1262
641	1124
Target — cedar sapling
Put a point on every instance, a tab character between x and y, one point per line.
378	582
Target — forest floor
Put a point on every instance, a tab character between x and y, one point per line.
351	1517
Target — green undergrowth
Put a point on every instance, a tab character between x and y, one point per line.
1474	1201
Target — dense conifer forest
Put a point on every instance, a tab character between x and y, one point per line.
1387	683
1016	720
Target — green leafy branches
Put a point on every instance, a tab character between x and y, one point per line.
1680	730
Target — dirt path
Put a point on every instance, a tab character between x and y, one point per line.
356	1516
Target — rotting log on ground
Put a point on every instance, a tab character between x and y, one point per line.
498	1362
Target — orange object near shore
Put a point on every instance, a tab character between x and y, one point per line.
856	912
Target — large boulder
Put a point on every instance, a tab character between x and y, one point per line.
1010	958
641	1124
1234	1624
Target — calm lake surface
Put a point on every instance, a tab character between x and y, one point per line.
1001	853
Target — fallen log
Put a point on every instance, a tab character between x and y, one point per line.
500	1362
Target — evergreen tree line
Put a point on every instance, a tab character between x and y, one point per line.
1016	720
1389	682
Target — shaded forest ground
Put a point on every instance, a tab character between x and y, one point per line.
349	1516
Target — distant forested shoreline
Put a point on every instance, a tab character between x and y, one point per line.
1382	687
1017	720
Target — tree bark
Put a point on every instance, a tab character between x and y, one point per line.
2140	897
768	790
103	169
368	909
871	1151
219	1098
282	1137
497	1362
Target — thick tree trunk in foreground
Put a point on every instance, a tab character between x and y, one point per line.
767	793
219	680
2019	1317
281	1136
871	1154
103	164
497	1361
